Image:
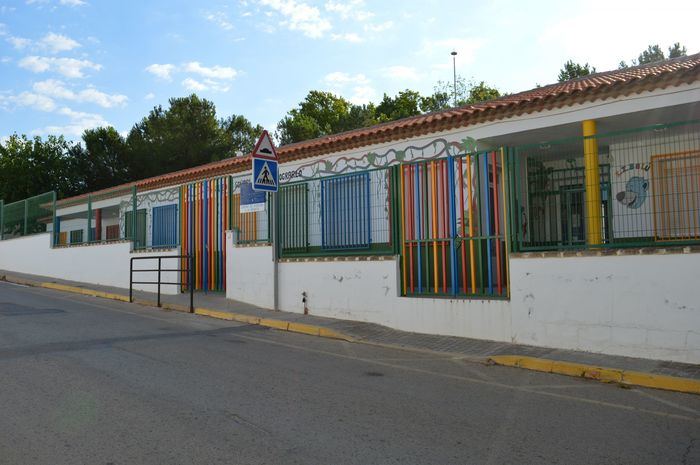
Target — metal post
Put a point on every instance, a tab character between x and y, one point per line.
89	219
26	214
133	217
191	283
131	280
454	71
159	262
592	177
275	255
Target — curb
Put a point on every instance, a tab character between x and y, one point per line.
606	375
282	325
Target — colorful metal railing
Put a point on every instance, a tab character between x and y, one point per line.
454	227
205	218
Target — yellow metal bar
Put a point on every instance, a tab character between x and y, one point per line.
471	222
506	234
433	176
592	170
403	232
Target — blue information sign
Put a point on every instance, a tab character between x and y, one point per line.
251	200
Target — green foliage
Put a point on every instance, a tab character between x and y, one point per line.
573	70
653	53
468	93
32	166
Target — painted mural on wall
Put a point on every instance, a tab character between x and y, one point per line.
631	189
370	160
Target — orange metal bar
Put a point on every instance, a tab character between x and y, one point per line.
444	211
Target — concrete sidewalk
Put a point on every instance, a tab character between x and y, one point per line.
609	368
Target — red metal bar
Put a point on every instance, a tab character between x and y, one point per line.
443	220
499	283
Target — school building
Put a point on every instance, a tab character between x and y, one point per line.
566	216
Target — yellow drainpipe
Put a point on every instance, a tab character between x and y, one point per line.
593	204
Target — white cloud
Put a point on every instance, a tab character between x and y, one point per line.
72	2
19	43
215	72
356	88
349	10
149	96
380	27
220	18
404	73
32	100
162	71
57	90
55	43
349	37
3	29
193	85
300	16
78	122
68	67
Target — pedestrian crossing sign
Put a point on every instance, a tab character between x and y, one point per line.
264	175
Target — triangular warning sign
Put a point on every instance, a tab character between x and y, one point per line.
265	177
264	148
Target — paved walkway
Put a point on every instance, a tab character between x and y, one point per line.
370	333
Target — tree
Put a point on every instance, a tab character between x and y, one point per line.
653	53
406	103
675	51
187	134
105	160
320	113
481	93
29	167
468	93
573	70
239	134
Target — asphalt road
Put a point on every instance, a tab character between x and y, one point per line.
90	381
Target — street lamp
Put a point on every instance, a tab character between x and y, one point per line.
454	71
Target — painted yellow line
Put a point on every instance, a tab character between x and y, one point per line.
609	375
276	324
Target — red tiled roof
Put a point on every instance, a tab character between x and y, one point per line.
596	86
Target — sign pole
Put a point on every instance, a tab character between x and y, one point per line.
275	257
265	177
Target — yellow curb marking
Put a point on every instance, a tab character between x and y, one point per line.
610	375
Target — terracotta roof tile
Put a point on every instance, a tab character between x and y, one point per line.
595	86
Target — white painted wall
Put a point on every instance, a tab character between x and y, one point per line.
104	264
640	306
358	290
635	305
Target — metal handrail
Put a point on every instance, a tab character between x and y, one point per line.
160	269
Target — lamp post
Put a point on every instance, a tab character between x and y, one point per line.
454	71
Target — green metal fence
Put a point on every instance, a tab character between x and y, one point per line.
350	214
648	190
26	217
100	218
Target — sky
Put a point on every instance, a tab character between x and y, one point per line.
70	65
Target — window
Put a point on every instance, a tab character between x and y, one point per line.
112	232
165	226
293	217
140	239
345	212
76	236
62	238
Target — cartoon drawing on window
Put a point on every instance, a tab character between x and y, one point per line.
635	193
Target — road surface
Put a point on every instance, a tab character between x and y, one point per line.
90	381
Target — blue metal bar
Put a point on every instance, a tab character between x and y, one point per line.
323	215
453	220
205	234
368	215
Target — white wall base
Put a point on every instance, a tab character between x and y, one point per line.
640	306
103	264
